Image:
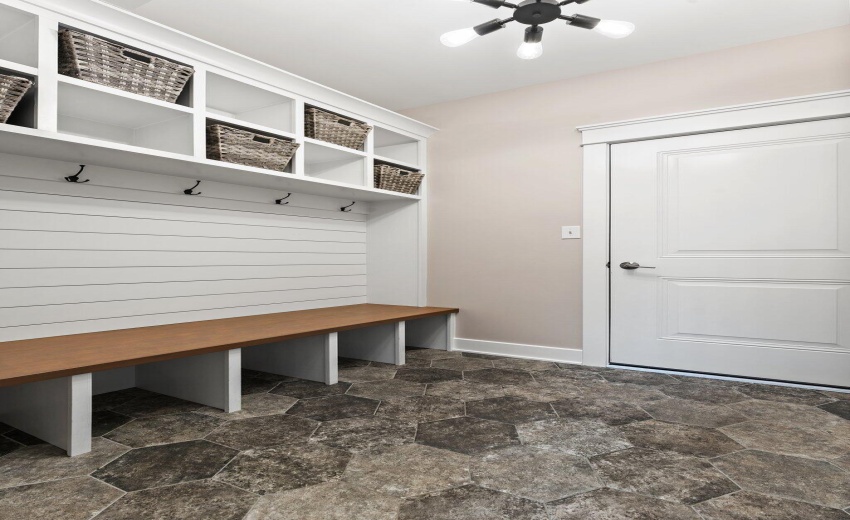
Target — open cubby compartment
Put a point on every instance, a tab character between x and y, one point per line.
333	163
25	113
18	36
235	101
91	110
396	147
222	121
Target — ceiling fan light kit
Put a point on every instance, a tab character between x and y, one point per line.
535	13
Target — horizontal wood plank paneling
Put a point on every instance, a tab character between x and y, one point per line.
128	249
42	314
56	221
172	207
146	320
69	294
48	259
71	276
91	241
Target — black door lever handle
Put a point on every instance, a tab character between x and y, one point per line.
631	266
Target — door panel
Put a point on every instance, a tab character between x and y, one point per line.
796	313
708	194
749	235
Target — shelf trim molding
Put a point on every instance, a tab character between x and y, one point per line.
69	148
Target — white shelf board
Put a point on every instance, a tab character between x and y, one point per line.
334	149
245	124
87	100
26	70
394	162
82	150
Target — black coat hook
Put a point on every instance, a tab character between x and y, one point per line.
345	209
191	191
76	176
280	201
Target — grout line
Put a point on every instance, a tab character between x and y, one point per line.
123	494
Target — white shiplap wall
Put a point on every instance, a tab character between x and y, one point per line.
129	249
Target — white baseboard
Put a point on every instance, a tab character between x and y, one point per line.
518	350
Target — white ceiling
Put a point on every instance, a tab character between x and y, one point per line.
388	51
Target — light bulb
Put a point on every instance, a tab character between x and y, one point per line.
614	28
459	37
530	51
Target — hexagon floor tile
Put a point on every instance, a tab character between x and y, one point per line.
165	465
610	504
534	473
288	466
471	503
513	439
665	475
510	409
467	434
409	470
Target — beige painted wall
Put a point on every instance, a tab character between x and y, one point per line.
505	174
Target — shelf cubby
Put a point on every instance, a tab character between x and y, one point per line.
25	113
396	148
333	163
18	37
234	101
91	110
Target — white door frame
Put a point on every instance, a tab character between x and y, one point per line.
597	141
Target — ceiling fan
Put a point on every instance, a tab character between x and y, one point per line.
535	13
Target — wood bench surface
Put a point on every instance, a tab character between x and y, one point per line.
39	359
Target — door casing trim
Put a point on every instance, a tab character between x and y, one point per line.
596	189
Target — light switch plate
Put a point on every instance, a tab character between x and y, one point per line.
571	232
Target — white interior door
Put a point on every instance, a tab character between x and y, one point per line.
748	232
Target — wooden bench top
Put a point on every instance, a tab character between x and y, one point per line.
39	359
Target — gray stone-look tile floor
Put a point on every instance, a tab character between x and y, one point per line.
450	436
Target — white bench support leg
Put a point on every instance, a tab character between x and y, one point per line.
382	343
437	332
57	411
313	358
212	379
451	332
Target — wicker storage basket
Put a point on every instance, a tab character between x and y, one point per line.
336	129
234	145
393	178
92	59
12	89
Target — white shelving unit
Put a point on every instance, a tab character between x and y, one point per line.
79	115
67	119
